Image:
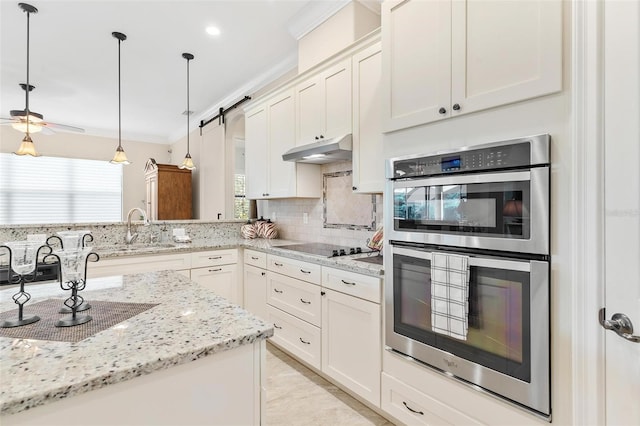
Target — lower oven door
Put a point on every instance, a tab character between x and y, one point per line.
505	349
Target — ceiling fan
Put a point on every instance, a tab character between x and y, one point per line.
25	120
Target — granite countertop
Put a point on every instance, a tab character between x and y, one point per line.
188	323
273	246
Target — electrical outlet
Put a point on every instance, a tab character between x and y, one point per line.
305	218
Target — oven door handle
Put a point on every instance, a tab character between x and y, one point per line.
511	265
521	176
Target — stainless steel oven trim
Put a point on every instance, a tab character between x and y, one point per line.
464	179
511	265
538	243
535	395
540	151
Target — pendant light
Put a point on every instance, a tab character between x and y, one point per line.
27	147
187	163
120	157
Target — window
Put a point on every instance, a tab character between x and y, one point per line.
58	190
240	202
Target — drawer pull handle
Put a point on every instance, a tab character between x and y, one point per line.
278	264
305	272
215	270
304	301
278	291
412	410
347	282
277	326
215	257
306	343
263	273
254	258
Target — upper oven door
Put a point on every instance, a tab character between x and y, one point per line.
506	211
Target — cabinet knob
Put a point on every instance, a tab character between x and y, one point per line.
456	107
442	111
321	137
317	138
354	188
263	273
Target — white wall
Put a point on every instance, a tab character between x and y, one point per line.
77	145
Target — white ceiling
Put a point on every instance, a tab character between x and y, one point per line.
74	59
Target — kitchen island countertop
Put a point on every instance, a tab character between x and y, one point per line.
189	322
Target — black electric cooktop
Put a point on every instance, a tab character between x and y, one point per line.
326	250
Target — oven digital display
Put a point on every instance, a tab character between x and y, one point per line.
450	163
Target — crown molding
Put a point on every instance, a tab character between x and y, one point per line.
312	15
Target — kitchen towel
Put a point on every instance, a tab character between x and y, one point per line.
450	295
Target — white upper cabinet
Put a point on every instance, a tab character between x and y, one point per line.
323	104
368	158
256	139
269	133
445	58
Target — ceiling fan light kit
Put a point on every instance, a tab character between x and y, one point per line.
187	163
27	146
120	157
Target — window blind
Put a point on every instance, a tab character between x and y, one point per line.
58	190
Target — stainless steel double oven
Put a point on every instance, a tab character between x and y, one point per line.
488	205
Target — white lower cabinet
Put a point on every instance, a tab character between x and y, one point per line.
296	297
255	290
222	280
351	345
330	319
296	336
218	272
413	407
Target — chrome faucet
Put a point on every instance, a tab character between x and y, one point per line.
130	238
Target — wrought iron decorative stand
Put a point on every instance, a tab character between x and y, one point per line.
80	241
72	272
26	265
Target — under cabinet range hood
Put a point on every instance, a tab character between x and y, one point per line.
321	152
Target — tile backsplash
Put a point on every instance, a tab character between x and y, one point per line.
290	215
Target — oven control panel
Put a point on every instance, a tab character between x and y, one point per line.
466	160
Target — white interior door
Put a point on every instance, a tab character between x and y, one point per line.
212	172
622	206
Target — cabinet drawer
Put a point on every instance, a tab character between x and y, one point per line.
298	298
362	286
415	408
294	268
255	258
215	257
296	336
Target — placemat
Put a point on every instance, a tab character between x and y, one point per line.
104	314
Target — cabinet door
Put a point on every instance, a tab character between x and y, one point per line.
416	45
282	174
255	291
504	52
336	101
309	111
256	135
222	280
368	158
351	343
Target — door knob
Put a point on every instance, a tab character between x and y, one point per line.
620	323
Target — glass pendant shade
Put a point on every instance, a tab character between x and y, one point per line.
187	163
27	147
23	127
120	157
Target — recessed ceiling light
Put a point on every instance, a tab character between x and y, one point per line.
214	31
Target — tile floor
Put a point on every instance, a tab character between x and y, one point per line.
298	396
